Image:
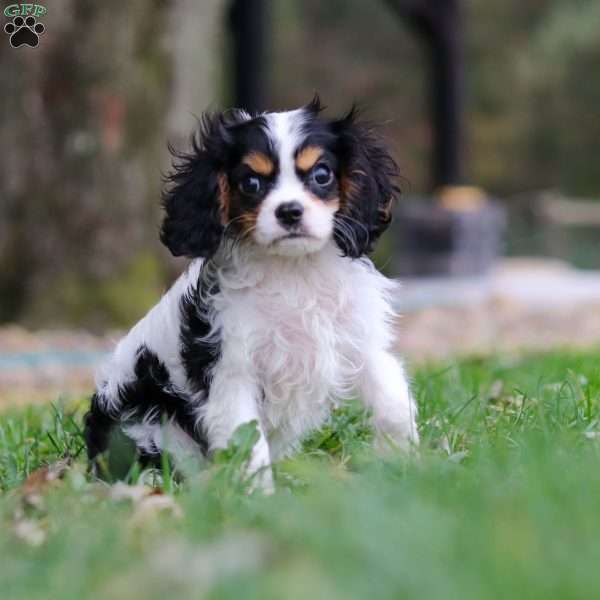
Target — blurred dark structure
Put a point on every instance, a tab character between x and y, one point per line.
459	235
248	25
438	25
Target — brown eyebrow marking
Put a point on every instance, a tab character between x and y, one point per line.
307	157
224	197
260	163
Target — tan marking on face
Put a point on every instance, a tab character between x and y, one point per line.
332	204
242	221
308	157
247	222
224	197
259	163
385	211
348	190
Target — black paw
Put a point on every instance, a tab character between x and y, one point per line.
24	32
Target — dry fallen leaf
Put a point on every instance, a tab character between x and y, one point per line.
30	531
46	475
134	493
40	480
151	506
148	502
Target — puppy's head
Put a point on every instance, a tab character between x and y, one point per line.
287	182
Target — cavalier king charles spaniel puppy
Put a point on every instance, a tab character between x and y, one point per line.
280	314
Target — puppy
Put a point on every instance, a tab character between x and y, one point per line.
280	313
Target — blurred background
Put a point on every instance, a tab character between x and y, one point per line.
491	109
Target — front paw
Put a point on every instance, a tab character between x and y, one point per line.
391	437
259	471
262	480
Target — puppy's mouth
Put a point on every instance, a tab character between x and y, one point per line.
294	235
295	243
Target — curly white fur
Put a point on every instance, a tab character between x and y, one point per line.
296	337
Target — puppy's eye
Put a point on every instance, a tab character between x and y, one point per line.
251	185
322	175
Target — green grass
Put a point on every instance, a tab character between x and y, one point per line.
503	502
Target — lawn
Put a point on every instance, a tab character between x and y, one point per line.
502	502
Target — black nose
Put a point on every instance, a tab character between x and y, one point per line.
289	213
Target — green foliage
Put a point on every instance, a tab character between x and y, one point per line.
121	299
35	436
230	463
347	433
568	49
500	503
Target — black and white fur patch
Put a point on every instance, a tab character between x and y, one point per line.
280	313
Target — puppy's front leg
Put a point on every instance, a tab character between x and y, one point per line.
384	388
233	401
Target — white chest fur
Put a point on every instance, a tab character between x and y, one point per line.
303	328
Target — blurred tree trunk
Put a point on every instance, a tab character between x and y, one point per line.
198	43
83	131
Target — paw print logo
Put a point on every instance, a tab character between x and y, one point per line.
24	32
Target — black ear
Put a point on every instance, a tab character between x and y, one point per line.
367	186
195	196
315	106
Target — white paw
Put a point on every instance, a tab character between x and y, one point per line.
402	436
259	469
262	480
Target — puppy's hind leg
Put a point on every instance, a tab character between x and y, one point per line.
99	427
384	388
